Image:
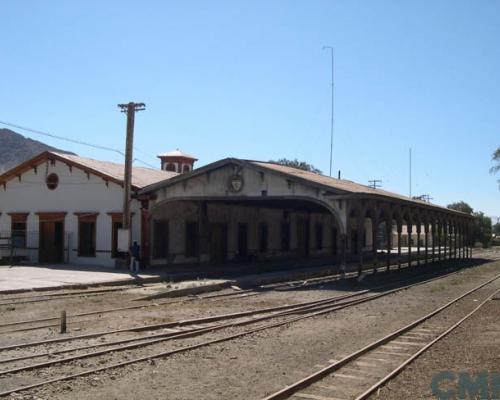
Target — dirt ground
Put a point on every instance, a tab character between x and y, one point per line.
254	365
473	348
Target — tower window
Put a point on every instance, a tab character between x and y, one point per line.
170	167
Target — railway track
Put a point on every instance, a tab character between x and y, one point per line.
50	322
360	374
384	287
35	298
187	329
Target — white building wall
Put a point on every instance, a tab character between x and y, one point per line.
75	193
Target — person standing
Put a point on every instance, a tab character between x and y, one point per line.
134	251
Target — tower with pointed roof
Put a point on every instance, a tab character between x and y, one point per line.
177	161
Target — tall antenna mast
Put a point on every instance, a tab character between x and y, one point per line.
333	109
410	172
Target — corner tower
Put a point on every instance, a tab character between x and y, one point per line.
177	161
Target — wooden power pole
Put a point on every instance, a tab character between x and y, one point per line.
130	109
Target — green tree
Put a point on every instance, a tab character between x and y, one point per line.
496	158
481	229
461	206
297	164
496	228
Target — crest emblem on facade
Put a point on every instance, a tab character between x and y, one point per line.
235	183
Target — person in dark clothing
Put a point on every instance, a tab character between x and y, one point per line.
135	251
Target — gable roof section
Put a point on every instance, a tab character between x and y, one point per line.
141	177
333	185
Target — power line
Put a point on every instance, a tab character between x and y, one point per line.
95	146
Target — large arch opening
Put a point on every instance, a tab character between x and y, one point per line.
244	230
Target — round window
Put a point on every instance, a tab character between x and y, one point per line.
52	181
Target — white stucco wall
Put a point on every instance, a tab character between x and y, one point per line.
76	193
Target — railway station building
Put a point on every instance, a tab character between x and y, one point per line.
62	208
237	210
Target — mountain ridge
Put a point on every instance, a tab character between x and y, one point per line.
16	148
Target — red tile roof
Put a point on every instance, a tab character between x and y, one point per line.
141	176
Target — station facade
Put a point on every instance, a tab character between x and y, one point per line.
67	209
239	210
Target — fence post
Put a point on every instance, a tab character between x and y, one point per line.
63	321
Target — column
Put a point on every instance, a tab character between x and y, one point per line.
462	242
433	233
360	233
455	241
343	247
374	244
203	246
439	231
445	240
145	233
410	231
388	232
400	227
466	242
426	240
418	243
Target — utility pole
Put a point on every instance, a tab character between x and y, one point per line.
424	197
333	109
375	183
130	109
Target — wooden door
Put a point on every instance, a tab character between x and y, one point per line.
218	243
51	242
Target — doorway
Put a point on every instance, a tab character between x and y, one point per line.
218	243
51	247
242	241
303	236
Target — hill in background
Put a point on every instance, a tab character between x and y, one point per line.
15	149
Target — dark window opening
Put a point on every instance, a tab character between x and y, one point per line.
185	168
115	227
52	181
18	234
263	238
160	239
319	236
191	239
354	241
242	240
170	167
86	238
285	236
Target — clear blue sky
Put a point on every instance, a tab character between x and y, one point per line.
249	79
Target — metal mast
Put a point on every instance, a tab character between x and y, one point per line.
333	109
